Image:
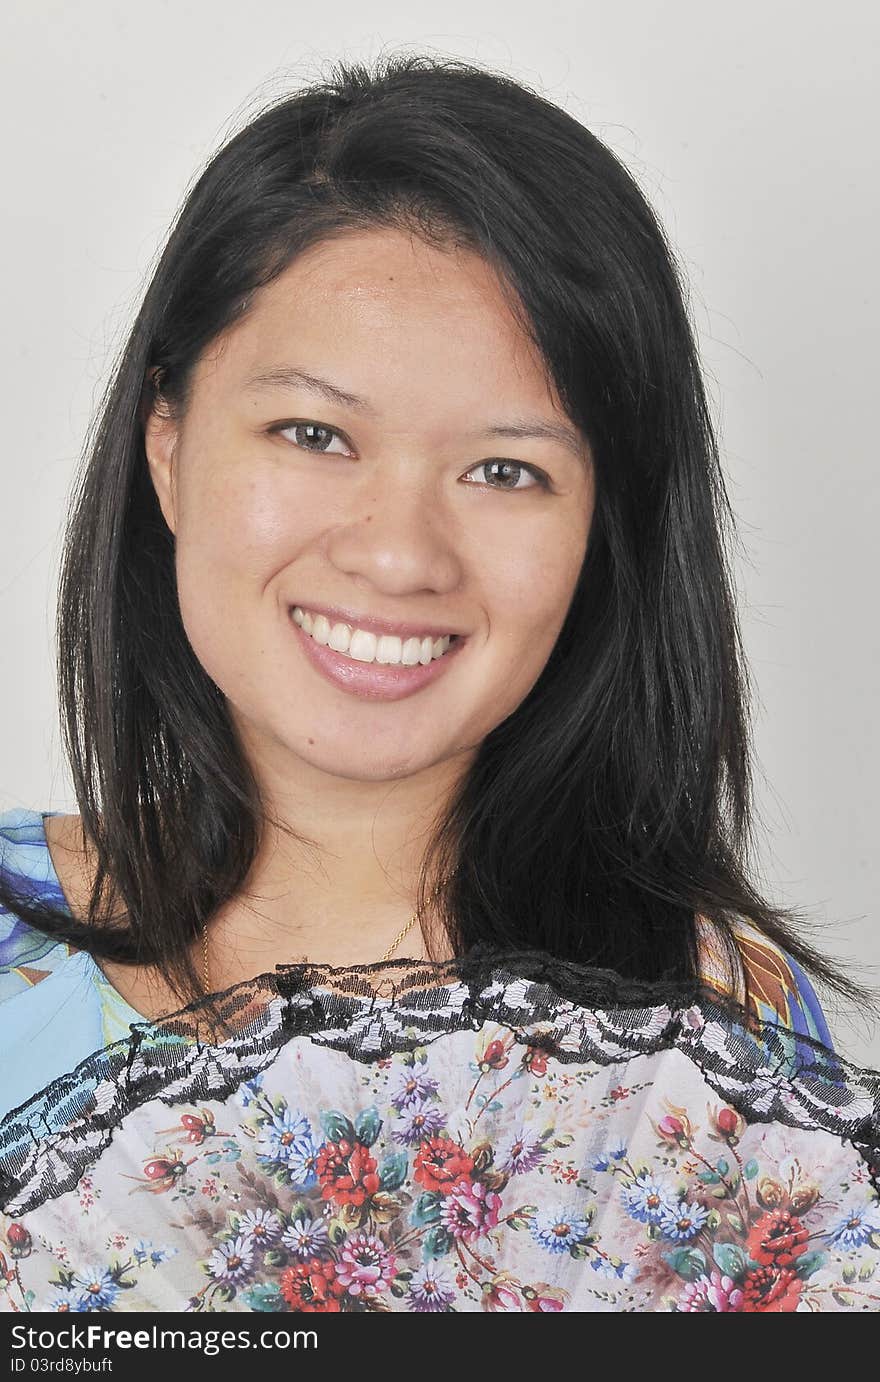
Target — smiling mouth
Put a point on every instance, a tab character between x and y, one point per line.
369	648
372	679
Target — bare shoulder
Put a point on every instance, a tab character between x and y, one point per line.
720	961
75	865
72	861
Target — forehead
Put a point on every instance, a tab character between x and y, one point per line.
381	303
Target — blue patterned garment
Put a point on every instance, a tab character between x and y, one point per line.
57	1008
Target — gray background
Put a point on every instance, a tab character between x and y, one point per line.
752	129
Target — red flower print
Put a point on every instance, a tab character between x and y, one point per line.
675	1132
346	1172
19	1240
439	1163
500	1295
494	1057
770	1291
777	1239
312	1287
728	1124
543	1299
619	1092
535	1060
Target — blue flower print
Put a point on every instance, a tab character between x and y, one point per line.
66	1300
645	1198
613	1268
148	1252
250	1091
856	1229
682	1221
285	1141
603	1162
96	1287
559	1228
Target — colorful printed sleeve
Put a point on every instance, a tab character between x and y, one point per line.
26	956
779	990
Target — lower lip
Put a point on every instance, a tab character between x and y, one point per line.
373	680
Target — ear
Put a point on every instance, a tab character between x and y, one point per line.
161	434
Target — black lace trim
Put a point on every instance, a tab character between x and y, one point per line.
370	1012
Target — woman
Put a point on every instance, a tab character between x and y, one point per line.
396	581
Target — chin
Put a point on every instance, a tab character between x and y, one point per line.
373	770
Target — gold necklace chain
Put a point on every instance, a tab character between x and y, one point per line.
206	977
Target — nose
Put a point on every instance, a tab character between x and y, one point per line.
398	537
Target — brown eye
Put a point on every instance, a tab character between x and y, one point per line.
311	436
517	468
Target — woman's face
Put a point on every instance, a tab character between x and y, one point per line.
433	500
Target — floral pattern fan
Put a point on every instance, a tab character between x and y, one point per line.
502	1133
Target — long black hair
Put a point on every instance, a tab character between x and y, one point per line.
613	807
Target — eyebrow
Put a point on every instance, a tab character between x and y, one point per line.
286	377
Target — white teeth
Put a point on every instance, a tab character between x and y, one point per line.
363	646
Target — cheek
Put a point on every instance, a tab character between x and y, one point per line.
527	603
232	529
230	543
529	589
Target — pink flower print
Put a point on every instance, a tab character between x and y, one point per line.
714	1295
366	1267
470	1210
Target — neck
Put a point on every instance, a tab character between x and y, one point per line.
336	875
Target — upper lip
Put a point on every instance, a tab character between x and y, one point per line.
338	614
